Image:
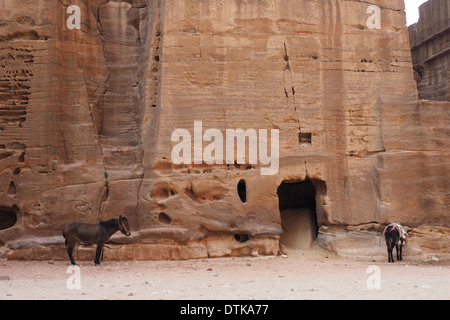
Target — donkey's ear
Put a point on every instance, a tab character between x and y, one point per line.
120	217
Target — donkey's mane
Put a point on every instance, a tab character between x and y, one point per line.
109	223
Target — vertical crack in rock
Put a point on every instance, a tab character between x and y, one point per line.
289	89
96	124
129	34
117	106
150	72
154	48
147	19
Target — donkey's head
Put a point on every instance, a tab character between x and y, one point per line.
123	226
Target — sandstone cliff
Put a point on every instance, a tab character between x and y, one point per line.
87	116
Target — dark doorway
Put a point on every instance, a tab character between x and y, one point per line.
297	204
8	217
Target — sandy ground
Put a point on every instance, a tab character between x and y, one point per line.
311	274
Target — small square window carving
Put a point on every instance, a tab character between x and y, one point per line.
305	138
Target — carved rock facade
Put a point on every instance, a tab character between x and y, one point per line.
87	116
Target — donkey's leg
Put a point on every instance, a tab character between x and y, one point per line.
401	246
98	252
70	251
391	254
398	255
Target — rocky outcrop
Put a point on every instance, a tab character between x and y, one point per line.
366	241
87	120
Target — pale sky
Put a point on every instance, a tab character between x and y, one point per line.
412	10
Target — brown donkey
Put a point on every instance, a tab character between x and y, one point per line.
89	234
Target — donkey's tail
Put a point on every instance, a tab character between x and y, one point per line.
64	235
